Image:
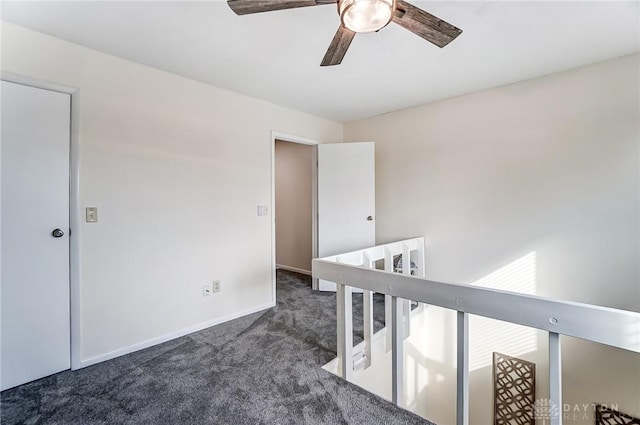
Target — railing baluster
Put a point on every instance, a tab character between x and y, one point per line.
406	319
420	260
555	379
345	330
462	400
387	322
367	311
421	264
406	259
388	260
397	353
406	269
388	267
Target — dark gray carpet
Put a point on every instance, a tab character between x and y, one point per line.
259	369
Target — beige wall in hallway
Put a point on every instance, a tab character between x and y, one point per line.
542	175
293	205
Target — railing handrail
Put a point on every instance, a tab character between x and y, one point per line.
610	326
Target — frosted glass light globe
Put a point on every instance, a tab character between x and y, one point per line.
365	15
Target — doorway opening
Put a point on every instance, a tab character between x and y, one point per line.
343	200
294	205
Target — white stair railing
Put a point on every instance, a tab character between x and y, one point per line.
614	327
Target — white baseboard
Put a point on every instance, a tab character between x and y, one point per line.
293	269
167	337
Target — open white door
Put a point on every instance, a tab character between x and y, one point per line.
346	199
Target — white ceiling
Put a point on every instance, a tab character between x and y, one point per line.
276	55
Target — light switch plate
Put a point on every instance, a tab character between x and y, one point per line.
263	210
92	214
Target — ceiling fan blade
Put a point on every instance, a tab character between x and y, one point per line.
338	47
424	24
245	7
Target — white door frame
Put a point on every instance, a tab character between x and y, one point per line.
275	135
74	206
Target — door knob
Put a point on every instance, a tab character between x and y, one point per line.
370	218
57	233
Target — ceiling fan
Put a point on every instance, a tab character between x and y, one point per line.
360	16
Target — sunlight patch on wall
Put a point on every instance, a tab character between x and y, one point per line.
489	335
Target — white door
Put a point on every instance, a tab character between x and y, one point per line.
346	199
35	262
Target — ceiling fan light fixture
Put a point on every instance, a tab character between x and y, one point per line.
365	15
